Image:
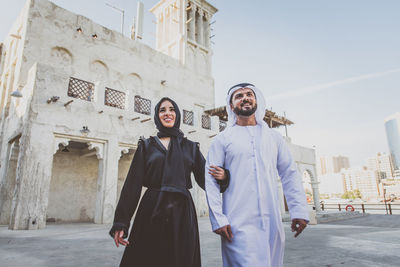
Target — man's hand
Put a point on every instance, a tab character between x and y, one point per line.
217	172
298	226
225	232
118	238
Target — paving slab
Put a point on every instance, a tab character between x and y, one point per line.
369	241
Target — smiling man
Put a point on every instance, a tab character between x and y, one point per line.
248	215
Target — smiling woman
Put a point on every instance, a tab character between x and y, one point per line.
167	114
165	231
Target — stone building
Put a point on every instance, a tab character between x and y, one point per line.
76	97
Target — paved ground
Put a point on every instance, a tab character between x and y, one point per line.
372	241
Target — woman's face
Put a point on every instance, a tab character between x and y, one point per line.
167	114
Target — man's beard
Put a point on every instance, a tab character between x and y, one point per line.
240	112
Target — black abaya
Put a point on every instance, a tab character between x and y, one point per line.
165	230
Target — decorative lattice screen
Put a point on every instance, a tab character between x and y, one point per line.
142	105
114	98
188	117
206	122
80	89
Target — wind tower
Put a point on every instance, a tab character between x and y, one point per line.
183	32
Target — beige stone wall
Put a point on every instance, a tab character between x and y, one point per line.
72	195
110	60
8	184
123	168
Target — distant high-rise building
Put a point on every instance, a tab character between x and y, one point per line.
328	165
392	127
362	179
340	162
382	165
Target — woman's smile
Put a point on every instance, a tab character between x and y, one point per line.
167	114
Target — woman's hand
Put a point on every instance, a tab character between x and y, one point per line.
217	172
225	232
118	238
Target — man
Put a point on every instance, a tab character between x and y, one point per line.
248	217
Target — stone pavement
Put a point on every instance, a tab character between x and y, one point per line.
372	241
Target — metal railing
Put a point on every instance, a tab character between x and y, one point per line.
363	207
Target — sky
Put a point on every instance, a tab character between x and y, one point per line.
333	67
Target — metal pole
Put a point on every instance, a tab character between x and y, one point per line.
284	114
123	20
123	16
384	199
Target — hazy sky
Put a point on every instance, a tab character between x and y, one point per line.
332	66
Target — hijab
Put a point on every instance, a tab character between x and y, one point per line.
173	177
162	130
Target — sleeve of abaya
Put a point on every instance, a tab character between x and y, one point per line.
199	172
291	182
223	185
198	168
130	192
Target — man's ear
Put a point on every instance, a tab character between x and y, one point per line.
231	105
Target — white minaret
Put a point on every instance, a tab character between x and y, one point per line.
183	31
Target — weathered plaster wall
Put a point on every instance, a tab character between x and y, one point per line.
111	59
108	127
123	168
8	184
10	123
72	195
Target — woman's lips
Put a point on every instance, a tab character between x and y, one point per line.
168	119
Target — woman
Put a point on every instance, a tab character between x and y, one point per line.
165	230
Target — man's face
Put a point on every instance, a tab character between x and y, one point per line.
244	102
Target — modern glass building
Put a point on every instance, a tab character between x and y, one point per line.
392	127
